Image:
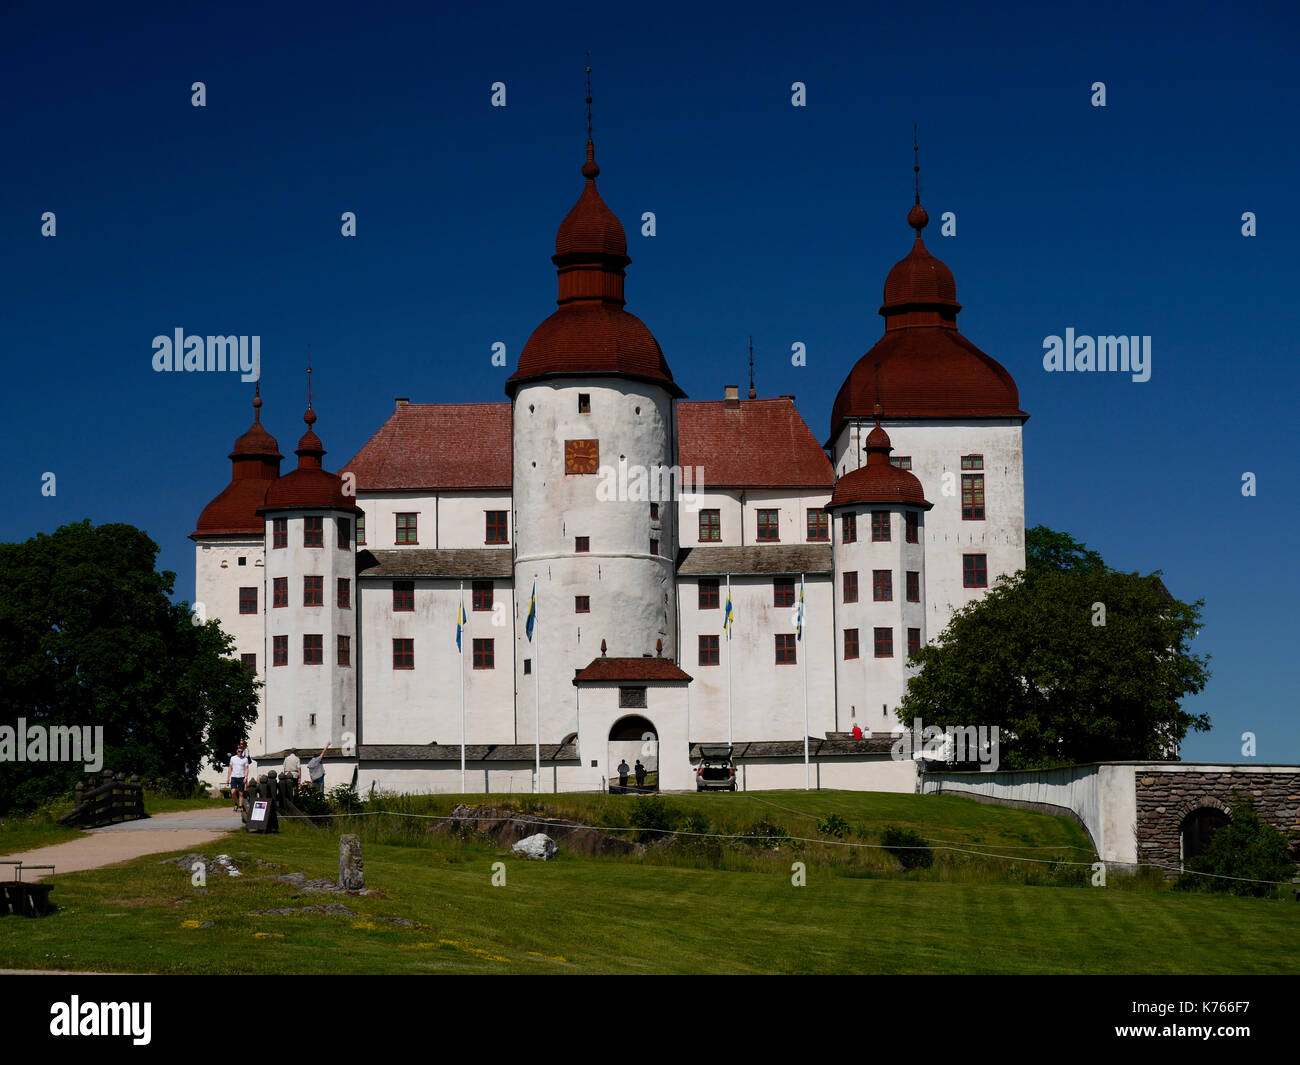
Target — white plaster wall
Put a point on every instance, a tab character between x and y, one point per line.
865	773
446	519
665	709
500	778
738	515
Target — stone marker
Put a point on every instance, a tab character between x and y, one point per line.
539	846
352	876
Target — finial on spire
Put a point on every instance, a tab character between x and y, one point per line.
310	416
588	96
589	169
257	403
603	648
752	393
917	217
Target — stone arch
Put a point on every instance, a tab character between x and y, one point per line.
1211	801
1198	820
633	740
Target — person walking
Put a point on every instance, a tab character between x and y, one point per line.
316	769
640	775
236	773
623	770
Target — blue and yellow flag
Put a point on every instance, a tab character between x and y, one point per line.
532	612
798	619
461	622
727	617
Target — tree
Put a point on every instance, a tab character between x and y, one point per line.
1073	661
89	637
1240	855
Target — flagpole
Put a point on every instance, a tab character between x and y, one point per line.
461	649
730	742
537	695
803	625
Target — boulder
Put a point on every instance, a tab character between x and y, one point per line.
352	876
539	846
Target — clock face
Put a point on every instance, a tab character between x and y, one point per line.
581	456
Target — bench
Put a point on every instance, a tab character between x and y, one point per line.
23	899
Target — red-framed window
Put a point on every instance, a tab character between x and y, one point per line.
361	530
484	654
884	643
581	544
819	525
710	594
903	462
279	650
248	600
654	546
249	662
913	641
882	586
582	604
850	643
974	571
496	527
849	528
785	649
313	532
279	591
879	526
279	532
313	650
851	586
710	526
913	586
408	529
403	596
709	651
345	650
313	591
345	533
783	591
972	497
972	462
769	526
403	654
912	526
484	593
345	593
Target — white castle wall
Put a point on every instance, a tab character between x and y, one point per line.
446	519
738	515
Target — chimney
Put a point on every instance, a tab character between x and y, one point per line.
732	395
402	401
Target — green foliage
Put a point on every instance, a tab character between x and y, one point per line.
653	816
343	799
1247	848
88	637
1029	658
694	821
1048	551
767	834
908	847
310	801
833	825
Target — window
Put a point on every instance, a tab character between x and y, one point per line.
528	667
243	561
313	532
248	600
913	641
361	529
403	596
408	529
313	591
403	654
882	585
654	546
783	591
581	544
913	526
496	527
279	591
850	643
819	524
345	593
584	403
654	511
249	662
851	586
279	532
279	650
345	651
631	698
483	595
710	526
913	586
903	462
972	497
785	652
708	650
849	527
484	654
769	526
710	594
879	526
582	604
972	462
345	534
311	719
884	643
313	650
974	571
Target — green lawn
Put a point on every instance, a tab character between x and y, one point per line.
699	910
22	832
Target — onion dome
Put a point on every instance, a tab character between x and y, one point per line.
927	368
879	481
591	334
309	487
255	464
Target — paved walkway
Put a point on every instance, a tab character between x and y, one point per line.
132	839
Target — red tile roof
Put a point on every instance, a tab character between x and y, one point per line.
751	443
607	670
234	511
438	446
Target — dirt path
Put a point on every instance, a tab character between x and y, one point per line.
120	843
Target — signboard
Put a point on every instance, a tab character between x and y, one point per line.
259	811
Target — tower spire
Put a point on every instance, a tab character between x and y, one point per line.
257	403
752	393
917	217
588	96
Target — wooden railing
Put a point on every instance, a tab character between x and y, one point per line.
114	799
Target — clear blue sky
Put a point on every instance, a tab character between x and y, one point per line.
772	220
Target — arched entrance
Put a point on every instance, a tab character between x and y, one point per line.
1198	827
634	741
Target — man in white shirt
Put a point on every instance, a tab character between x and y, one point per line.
236	773
292	768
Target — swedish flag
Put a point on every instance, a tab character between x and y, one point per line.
727	617
798	621
461	622
532	612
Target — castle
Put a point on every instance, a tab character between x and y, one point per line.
505	587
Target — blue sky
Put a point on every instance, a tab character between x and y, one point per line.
775	221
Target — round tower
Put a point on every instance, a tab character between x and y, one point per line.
595	441
878	518
311	646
